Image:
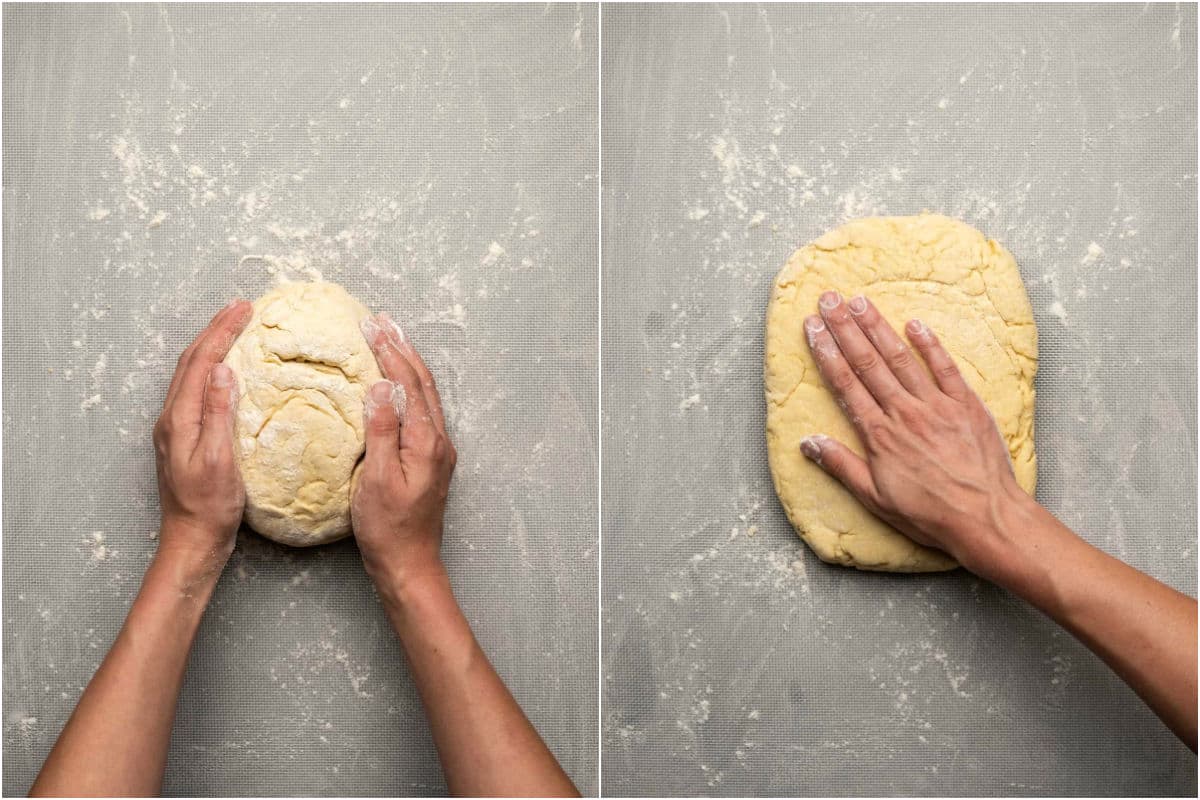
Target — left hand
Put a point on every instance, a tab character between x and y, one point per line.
199	485
401	495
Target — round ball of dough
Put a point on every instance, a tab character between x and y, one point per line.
965	287
303	368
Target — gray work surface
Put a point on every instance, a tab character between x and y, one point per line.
440	163
739	664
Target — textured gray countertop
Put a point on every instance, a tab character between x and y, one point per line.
438	162
736	663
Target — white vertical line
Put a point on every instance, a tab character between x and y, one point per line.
599	399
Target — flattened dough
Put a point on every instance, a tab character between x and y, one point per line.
968	290
303	368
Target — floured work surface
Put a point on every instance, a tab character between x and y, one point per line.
158	162
735	662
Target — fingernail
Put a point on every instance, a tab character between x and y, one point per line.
399	402
370	330
813	325
811	446
858	305
221	376
829	300
398	334
379	394
916	328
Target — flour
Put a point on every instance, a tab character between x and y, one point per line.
99	550
494	253
1094	253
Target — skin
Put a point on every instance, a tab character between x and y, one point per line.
116	741
485	743
936	468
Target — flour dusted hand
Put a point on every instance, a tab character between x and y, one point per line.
401	491
199	486
935	465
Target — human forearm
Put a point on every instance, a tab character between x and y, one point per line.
486	745
1144	630
115	742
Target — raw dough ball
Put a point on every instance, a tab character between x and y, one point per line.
303	367
968	290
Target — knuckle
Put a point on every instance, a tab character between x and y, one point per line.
878	433
947	370
910	413
379	423
843	380
864	363
175	422
902	359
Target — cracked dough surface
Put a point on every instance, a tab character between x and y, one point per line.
303	368
968	290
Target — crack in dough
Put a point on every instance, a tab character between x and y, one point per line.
965	287
303	368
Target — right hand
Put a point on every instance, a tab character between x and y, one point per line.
400	498
199	486
936	466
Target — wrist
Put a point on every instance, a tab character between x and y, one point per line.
1025	551
992	547
402	587
177	580
192	555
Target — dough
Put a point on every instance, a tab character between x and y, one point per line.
303	368
968	290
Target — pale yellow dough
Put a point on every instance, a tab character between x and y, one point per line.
303	368
968	290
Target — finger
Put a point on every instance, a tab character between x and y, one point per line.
862	356
383	409
847	389
944	370
895	352
186	356
220	406
849	468
419	430
210	348
433	399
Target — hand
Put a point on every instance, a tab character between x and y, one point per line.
935	465
401	493
199	486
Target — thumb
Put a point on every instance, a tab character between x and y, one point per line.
383	412
220	405
842	463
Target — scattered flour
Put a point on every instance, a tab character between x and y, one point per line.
1094	253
